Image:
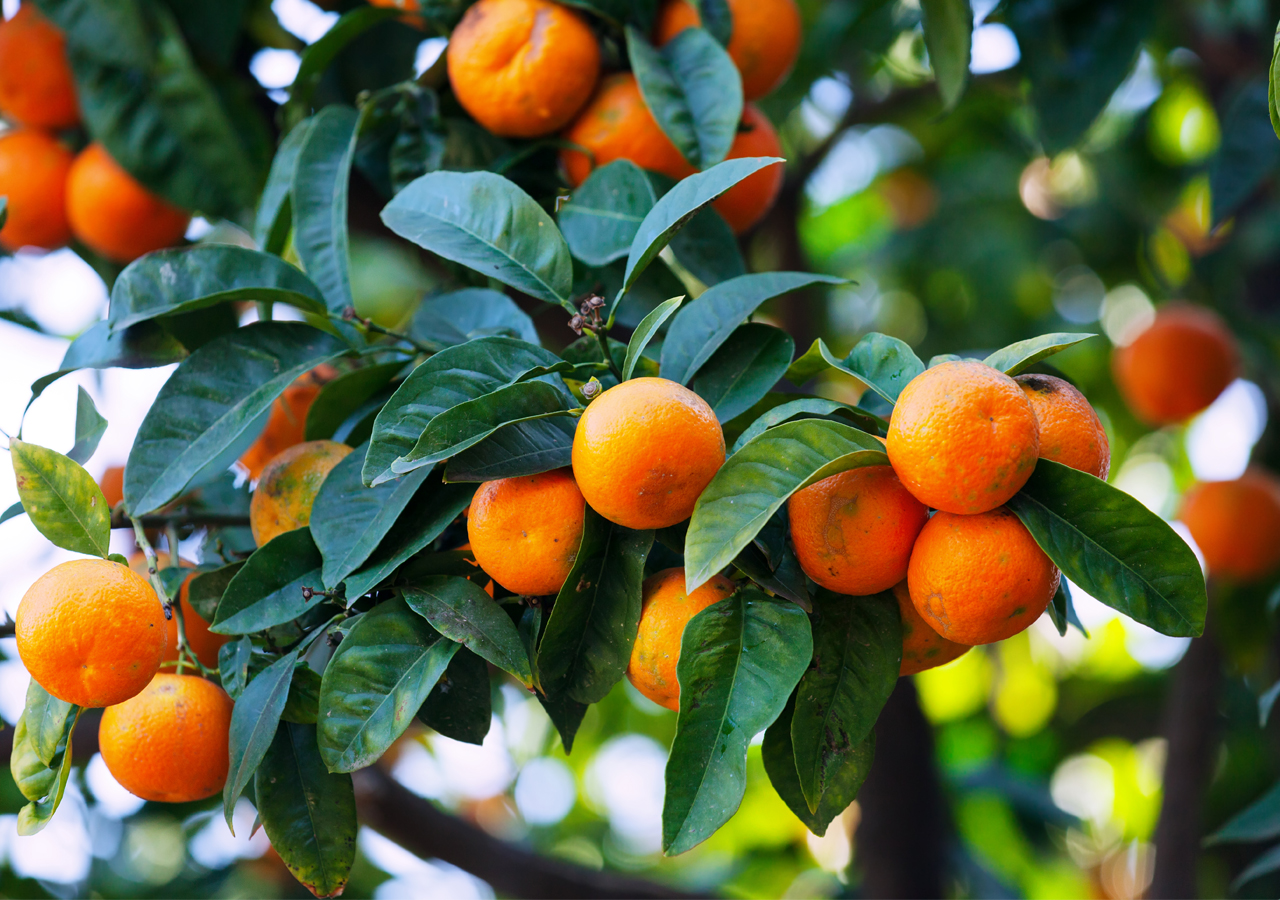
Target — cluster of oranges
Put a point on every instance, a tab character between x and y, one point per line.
54	194
532	68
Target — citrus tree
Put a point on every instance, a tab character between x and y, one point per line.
436	501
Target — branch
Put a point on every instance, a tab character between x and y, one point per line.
211	520
422	829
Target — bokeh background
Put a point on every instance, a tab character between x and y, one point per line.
959	234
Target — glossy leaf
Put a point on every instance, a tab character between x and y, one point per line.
601	217
1017	358
254	720
744	369
460	316
267	590
46	721
52	781
857	650
340	398
1259	821
206	589
948	35
708	248
317	57
586	645
302	706
319	197
459	706
693	90
376	681
64	502
805	408
645	331
739	660
485	222
884	364
755	482
461	611
1248	153
704	324
308	813
524	449
274	219
182	280
207	409
143	346
1114	548
90	426
233	665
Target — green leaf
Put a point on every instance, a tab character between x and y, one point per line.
1017	358
645	331
317	57
1263	865
33	776
804	408
842	789
274	220
679	204
206	589
64	502
319	196
1273	78
948	35
587	643
308	813
528	448
1248	153
378	678
1114	548
4	210
90	426
349	520
35	815
340	398
600	219
207	409
143	346
708	248
1259	821
267	589
233	665
12	512
754	483
46	718
189	278
485	222
739	660
566	714
459	316
254	720
461	611
857	650
884	364
744	369
302	706
459	706
693	90
704	324
453	376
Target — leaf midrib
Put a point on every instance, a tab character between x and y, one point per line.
40	473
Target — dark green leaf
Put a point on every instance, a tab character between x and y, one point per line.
207	409
343	396
485	222
645	331
274	219
1267	702
739	660
319	197
601	217
857	650
1248	153
948	34
143	346
206	589
744	369
459	316
233	665
1273	78
525	449
267	590
566	715
378	678
461	611
90	426
46	722
64	502
317	57
587	643
1114	548
805	408
1263	865
12	512
708	248
1017	358
1259	821
755	482
459	706
254	720
303	703
308	813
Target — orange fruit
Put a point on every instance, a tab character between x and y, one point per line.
1070	432
963	437
981	578
287	422
764	43
522	68
112	485
1236	524
922	647
203	642
745	204
290	481
36	85
665	610
114	215
644	450
169	743
617	125
91	632
853	532
1178	366
33	175
524	532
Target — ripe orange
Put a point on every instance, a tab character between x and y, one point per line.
36	85
617	125
665	610
1070	432
525	531
963	437
282	500
981	578
1178	366
33	175
644	450
113	214
112	485
522	68
745	204
91	632
764	43
922	647
853	532
169	743
287	423
1236	524
203	642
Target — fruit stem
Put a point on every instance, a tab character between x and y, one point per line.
349	314
602	338
184	649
